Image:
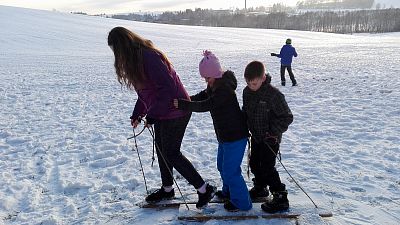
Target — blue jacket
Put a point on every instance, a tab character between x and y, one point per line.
286	54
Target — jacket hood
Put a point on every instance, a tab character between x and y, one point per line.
229	79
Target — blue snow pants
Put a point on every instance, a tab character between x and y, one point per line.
230	156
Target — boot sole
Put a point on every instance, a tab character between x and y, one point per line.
156	201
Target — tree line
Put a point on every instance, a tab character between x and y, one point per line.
358	21
335	4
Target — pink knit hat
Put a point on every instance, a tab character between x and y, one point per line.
209	66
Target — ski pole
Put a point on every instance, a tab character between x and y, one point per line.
140	160
280	161
135	136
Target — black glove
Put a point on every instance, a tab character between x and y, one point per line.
150	121
270	139
273	54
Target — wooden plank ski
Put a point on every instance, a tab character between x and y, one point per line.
204	218
217	212
176	202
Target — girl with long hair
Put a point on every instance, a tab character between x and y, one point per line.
140	66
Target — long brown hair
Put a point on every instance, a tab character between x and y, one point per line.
127	47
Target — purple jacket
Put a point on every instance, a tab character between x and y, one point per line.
161	86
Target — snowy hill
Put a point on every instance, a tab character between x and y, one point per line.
64	154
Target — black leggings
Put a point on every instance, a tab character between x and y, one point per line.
169	135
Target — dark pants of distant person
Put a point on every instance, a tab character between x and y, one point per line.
291	75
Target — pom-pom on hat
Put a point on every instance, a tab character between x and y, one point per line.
209	66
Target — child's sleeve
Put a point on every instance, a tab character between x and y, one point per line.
280	53
215	100
200	96
284	116
197	103
195	106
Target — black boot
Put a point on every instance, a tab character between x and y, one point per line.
230	207
205	197
279	202
159	195
258	192
222	196
283	83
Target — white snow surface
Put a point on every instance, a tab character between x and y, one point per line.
64	153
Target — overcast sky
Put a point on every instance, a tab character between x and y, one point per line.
118	6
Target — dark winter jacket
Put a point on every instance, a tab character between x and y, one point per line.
266	110
161	86
221	101
286	54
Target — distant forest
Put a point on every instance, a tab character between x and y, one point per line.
334	16
360	21
335	4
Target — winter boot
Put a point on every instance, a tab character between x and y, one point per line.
279	202
159	195
283	83
205	198
258	192
222	196
230	207
294	83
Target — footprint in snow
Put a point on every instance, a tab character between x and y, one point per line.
357	189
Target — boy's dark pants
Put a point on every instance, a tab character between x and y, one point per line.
291	75
169	135
262	165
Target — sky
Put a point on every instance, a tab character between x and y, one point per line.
121	6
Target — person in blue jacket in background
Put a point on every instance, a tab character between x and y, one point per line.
286	55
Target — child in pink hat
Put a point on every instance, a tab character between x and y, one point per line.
230	128
209	66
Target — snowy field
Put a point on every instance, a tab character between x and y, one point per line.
64	153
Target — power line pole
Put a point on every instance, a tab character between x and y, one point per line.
245	5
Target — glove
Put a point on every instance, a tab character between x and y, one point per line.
270	139
135	121
273	54
149	121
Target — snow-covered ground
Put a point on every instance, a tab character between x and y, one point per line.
64	153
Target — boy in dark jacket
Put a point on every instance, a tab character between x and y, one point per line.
268	116
286	55
230	127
